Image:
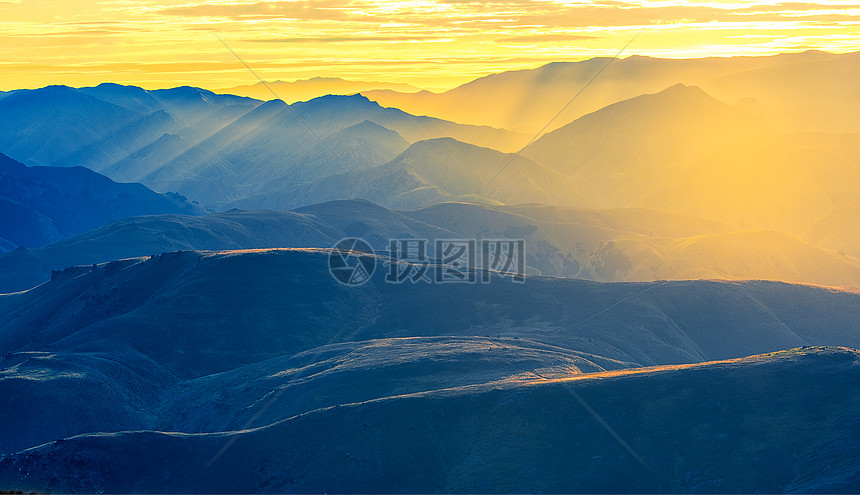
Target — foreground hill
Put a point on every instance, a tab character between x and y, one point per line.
150	302
773	423
39	205
186	347
604	245
286	302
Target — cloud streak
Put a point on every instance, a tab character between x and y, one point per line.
547	38
345	39
429	43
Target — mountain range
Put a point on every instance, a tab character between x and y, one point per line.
428	172
308	89
275	147
617	245
801	91
680	149
214	148
61	126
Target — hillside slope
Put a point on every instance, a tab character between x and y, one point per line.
775	423
39	205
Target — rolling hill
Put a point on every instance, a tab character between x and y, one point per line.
774	423
177	352
638	245
121	293
144	301
316	226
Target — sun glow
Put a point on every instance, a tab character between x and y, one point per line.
433	44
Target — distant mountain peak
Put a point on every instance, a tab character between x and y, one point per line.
561	64
307	89
272	104
189	89
116	85
676	95
677	86
439	144
184	91
46	94
56	87
368	126
351	98
343	101
346	204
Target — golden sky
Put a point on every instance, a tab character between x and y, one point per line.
433	44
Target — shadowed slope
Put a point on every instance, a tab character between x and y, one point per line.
773	423
39	205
